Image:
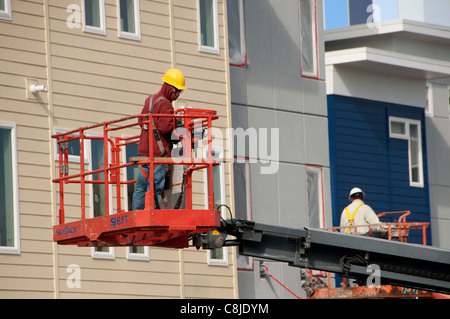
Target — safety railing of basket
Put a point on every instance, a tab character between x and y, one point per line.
398	229
192	119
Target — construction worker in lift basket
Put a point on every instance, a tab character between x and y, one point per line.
359	214
159	103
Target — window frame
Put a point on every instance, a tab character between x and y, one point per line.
7	13
203	48
110	254
145	256
315	53
407	136
92	29
72	158
243	44
137	23
319	170
217	153
15	249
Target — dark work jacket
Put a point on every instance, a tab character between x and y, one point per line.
164	125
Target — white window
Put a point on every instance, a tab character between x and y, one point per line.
74	148
94	16
98	192
243	200
130	174
314	186
5	10
129	19
236	33
218	256
208	26
308	38
410	130
138	253
9	190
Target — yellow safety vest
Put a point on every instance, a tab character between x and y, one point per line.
351	218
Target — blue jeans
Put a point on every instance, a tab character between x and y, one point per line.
142	186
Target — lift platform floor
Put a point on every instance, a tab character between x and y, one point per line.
156	227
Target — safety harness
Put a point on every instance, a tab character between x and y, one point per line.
163	152
351	219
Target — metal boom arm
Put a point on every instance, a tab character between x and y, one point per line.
401	264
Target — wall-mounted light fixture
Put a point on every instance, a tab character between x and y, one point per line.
34	88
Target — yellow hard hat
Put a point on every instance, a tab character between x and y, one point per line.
175	78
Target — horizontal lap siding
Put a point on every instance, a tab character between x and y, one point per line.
360	150
403	196
95	78
364	155
207	78
103	77
22	56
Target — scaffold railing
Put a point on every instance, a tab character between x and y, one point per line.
397	230
168	227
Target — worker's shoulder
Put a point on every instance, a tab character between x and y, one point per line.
357	204
162	104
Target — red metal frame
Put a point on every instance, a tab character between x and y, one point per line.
148	227
401	227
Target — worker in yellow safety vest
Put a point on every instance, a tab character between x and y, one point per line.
359	214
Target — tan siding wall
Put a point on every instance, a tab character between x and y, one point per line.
23	55
95	78
207	74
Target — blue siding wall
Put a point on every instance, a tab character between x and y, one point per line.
363	155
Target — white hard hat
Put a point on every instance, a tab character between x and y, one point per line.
354	191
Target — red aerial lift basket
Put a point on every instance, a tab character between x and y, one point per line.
148	227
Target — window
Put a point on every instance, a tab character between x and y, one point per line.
314	188
131	172
358	13
243	200
74	149
98	193
308	38
410	130
129	19
218	256
9	198
236	33
5	10
94	16
208	26
138	253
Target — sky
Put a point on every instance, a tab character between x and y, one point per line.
337	11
